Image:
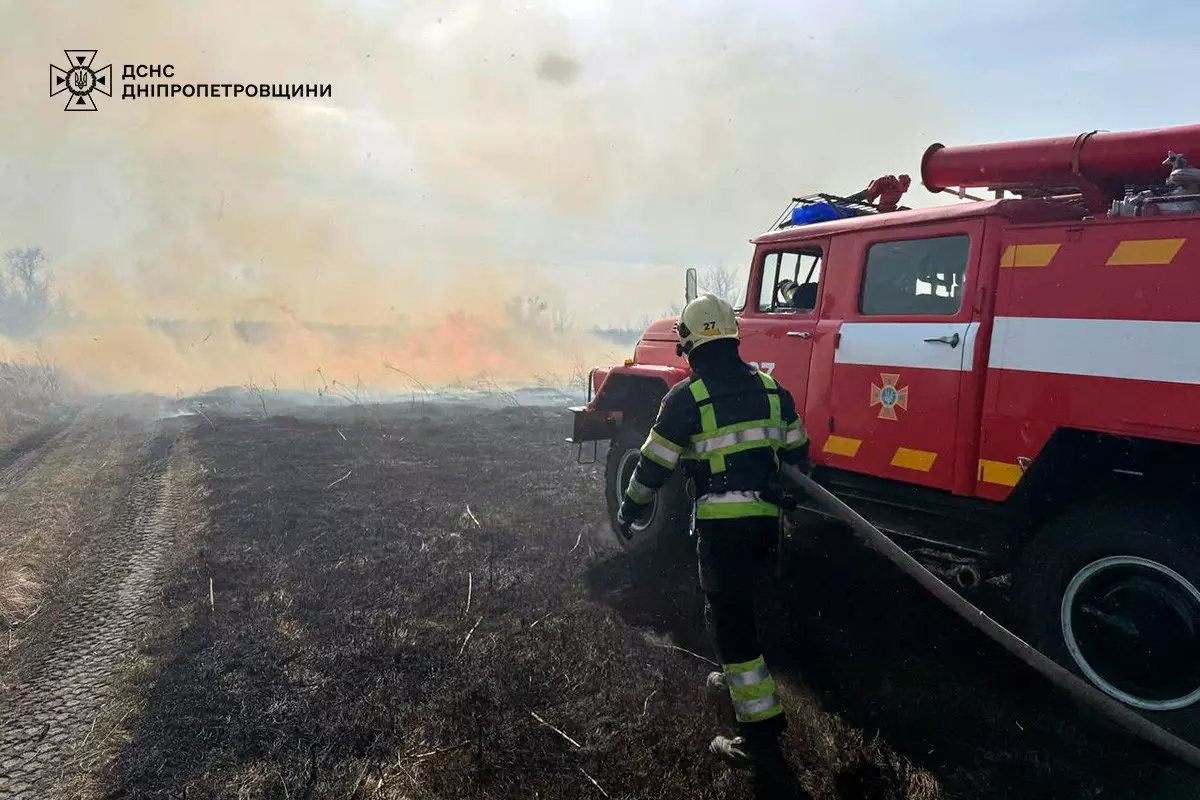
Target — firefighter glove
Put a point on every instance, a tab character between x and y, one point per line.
775	492
627	514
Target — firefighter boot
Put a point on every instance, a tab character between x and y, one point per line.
718	691
757	753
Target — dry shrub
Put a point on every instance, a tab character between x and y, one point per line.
31	392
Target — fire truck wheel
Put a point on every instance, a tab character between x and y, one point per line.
666	524
1112	592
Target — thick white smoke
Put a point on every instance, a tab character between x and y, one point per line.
578	152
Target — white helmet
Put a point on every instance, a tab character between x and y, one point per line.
705	319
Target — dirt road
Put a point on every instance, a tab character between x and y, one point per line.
417	602
96	506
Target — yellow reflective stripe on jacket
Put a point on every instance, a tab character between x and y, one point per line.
737	511
714	442
724	452
708	420
742	434
776	413
737	426
734	505
772	397
708	415
661	450
639	492
796	435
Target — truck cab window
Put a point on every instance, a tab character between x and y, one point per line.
917	276
790	280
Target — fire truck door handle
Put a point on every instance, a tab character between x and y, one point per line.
800	334
950	340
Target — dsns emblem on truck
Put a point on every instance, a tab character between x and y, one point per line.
889	396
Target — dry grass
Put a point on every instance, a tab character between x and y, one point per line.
30	397
31	393
19	591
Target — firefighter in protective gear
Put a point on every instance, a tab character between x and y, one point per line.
730	426
800	296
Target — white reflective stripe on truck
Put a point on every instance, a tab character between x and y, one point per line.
903	345
1141	350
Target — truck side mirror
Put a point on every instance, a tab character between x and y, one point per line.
690	292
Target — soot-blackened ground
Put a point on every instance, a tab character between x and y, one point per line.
339	658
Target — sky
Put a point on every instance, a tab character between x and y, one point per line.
582	151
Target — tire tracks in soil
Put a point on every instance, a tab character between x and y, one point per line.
51	715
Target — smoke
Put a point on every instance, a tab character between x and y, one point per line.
582	153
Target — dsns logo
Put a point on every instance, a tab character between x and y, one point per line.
80	80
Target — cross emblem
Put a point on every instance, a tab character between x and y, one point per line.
888	396
80	80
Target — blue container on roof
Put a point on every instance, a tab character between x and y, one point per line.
818	212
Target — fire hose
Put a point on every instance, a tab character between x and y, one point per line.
1074	686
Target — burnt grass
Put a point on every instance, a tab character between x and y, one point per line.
339	658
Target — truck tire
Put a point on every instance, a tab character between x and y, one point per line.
1111	591
669	519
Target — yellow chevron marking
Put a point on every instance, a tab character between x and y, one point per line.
920	460
842	446
1028	255
1132	252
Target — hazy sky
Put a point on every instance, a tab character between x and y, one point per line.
582	150
669	133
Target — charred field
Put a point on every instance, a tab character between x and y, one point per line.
422	601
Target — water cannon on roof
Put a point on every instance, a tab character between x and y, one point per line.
1120	172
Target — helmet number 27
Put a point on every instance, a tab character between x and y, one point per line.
763	366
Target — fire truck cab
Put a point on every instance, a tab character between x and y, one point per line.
1009	386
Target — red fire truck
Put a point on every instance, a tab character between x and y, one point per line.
1013	381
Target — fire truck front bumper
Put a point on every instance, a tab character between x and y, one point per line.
590	426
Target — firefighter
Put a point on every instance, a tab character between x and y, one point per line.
730	426
798	296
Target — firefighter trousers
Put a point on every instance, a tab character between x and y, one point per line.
735	556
